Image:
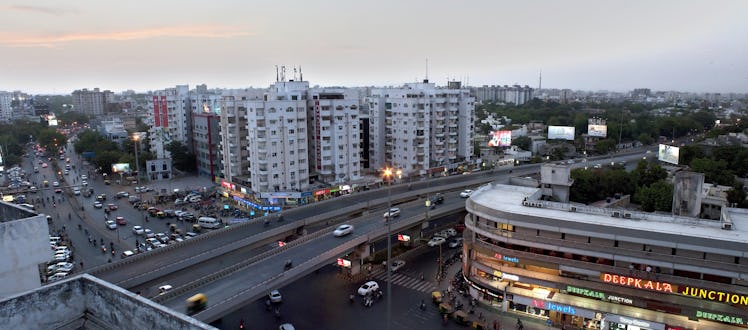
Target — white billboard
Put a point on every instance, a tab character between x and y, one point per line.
669	154
597	130
561	132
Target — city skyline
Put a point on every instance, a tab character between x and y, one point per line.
692	46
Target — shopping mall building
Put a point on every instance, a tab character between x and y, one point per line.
605	268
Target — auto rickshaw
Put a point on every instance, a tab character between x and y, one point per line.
461	318
436	297
196	303
196	228
172	227
479	325
445	308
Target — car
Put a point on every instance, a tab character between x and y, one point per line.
127	254
112	207
101	197
397	264
58	190
466	193
598	166
44	165
189	235
169	213
57	277
36	169
153	242
343	230
436	240
33	189
438	198
455	243
195	199
161	237
98	205
148	233
133	199
76	191
393	212
137	230
286	326
275	296
120	221
84	183
180	201
122	194
66	172
449	232
111	224
64	267
84	177
163	289
107	182
367	288
55	184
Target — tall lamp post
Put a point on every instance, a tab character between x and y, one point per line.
388	173
136	138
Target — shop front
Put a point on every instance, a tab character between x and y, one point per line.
620	322
558	313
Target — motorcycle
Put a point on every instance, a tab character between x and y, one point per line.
103	249
288	265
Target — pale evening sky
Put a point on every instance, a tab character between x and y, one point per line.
59	46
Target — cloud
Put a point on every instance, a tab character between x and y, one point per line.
193	31
57	11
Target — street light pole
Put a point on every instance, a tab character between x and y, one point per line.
136	138
388	174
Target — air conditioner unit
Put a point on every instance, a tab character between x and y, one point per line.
727	226
538	204
616	214
573	209
627	215
525	203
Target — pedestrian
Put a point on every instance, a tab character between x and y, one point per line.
495	325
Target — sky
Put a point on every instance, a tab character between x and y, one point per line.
57	46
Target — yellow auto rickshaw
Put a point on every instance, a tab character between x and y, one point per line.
445	308
436	297
461	318
160	214
479	325
196	303
196	228
46	183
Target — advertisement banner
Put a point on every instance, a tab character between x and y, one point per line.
669	154
500	139
121	168
561	133
597	130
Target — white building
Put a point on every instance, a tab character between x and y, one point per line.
91	103
419	126
169	119
6	112
334	125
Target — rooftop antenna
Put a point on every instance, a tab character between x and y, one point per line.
301	75
294	72
283	73
427	71
276	74
540	80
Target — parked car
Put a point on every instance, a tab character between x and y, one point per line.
368	287
57	277
455	243
275	296
393	212
161	237
137	230
436	240
122	194
148	233
343	230
127	254
466	193
76	191
179	201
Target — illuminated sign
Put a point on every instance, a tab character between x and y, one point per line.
510	277
621	300
720	317
637	283
713	295
551	306
228	185
344	263
669	154
585	292
506	258
500	139
561	132
120	167
597	130
403	238
281	243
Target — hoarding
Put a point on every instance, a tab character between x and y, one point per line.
669	154
597	130
561	133
500	139
120	168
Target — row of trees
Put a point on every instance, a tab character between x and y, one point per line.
14	137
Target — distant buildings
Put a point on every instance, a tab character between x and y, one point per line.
516	94
6	111
91	103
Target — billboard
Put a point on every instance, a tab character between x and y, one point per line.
561	132
121	168
500	139
669	154
597	130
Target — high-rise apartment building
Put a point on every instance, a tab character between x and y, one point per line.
515	94
91	103
206	143
169	119
334	126
419	126
6	112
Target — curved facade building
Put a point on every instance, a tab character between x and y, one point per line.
599	268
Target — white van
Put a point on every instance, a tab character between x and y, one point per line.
208	222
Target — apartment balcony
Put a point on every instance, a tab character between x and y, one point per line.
439	135
439	143
420	152
452	133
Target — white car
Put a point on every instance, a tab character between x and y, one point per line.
57	277
368	287
343	230
84	177
111	224
455	243
275	296
64	267
466	193
393	212
179	201
84	183
55	184
286	326
98	205
76	191
397	264
149	233
137	230
436	240
195	199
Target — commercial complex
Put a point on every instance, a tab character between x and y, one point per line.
605	268
419	127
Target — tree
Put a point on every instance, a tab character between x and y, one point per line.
715	171
657	197
647	173
736	195
605	146
523	142
181	157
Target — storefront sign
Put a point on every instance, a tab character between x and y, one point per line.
714	295
637	283
585	292
721	317
321	192
634	322
228	185
621	300
506	258
510	277
551	306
